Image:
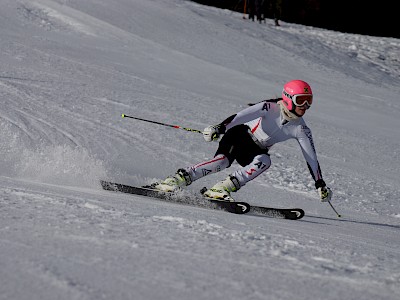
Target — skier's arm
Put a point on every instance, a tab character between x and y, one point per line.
253	112
212	133
304	137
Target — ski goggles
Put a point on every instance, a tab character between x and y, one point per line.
300	99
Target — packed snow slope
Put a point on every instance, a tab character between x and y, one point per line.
70	68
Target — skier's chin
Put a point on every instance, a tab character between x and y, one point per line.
300	111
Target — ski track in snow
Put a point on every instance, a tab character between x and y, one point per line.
68	70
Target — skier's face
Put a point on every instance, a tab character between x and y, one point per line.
301	110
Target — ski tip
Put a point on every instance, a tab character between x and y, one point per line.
123	116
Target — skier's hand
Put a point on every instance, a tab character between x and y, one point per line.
211	133
325	193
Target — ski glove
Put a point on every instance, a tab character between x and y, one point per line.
325	194
213	132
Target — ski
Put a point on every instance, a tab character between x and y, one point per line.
232	207
286	213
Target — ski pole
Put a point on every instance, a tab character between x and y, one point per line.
338	215
159	123
266	100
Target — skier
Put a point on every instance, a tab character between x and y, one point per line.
247	138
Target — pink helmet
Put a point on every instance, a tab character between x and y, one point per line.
296	93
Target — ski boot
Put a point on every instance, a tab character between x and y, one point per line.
222	190
173	183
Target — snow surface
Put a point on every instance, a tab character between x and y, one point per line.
70	68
